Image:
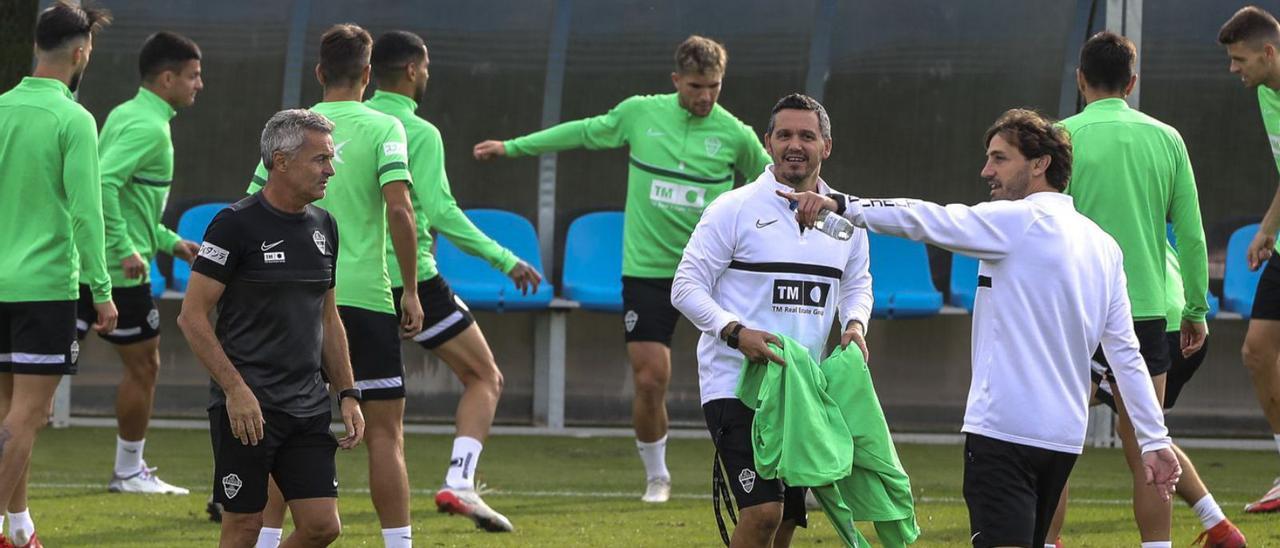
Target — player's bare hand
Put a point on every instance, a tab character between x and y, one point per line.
247	424
855	334
1192	337
411	315
133	266
526	277
1260	249
1162	471
107	317
755	346
186	250
353	419
488	150
809	206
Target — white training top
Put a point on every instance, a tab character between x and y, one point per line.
749	261
1051	287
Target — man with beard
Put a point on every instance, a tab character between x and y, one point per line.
743	251
1252	39
51	218
684	150
136	160
1051	288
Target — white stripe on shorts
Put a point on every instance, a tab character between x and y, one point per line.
439	327
127	332
82	325
34	359
389	382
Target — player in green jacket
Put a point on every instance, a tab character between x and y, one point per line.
51	219
135	154
1130	173
684	149
1252	39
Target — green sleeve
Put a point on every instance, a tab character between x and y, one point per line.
752	158
82	184
605	131
432	194
393	155
1189	231
166	238
118	161
259	179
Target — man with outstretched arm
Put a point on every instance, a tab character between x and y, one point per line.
684	150
278	339
1051	288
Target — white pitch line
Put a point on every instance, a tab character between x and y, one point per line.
621	495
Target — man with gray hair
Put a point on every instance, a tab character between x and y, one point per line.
267	264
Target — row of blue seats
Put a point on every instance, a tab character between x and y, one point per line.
592	274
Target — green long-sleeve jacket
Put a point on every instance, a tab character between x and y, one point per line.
821	426
433	201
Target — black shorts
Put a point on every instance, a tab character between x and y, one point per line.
38	338
373	339
444	314
1179	373
729	421
1012	490
296	451
648	315
139	318
1266	300
1151	345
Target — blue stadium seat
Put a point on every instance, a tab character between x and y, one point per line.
592	272
964	281
191	226
158	282
1239	284
901	280
479	284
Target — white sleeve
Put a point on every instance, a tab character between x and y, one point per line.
855	284
987	231
1120	346
706	256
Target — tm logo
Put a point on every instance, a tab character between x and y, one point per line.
801	293
677	194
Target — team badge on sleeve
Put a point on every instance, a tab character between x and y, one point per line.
394	148
320	240
214	253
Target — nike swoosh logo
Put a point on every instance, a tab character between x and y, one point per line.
654	133
762	225
266	247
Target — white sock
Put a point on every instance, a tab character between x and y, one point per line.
398	537
128	456
1208	511
1158	544
462	465
1050	546
654	455
269	537
21	527
1277	436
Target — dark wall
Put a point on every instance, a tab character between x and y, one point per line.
17	33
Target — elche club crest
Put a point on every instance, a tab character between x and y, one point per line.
320	240
713	145
231	485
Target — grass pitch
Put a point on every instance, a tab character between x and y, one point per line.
577	492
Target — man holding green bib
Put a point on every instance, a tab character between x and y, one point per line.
135	153
684	149
1252	39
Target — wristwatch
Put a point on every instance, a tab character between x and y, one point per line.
732	338
353	393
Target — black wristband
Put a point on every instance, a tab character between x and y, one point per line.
841	202
353	393
732	338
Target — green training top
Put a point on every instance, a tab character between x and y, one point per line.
50	198
433	203
1269	104
135	153
370	152
679	164
1130	173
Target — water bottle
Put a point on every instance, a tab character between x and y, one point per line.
831	224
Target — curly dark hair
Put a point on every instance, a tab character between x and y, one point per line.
1034	136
